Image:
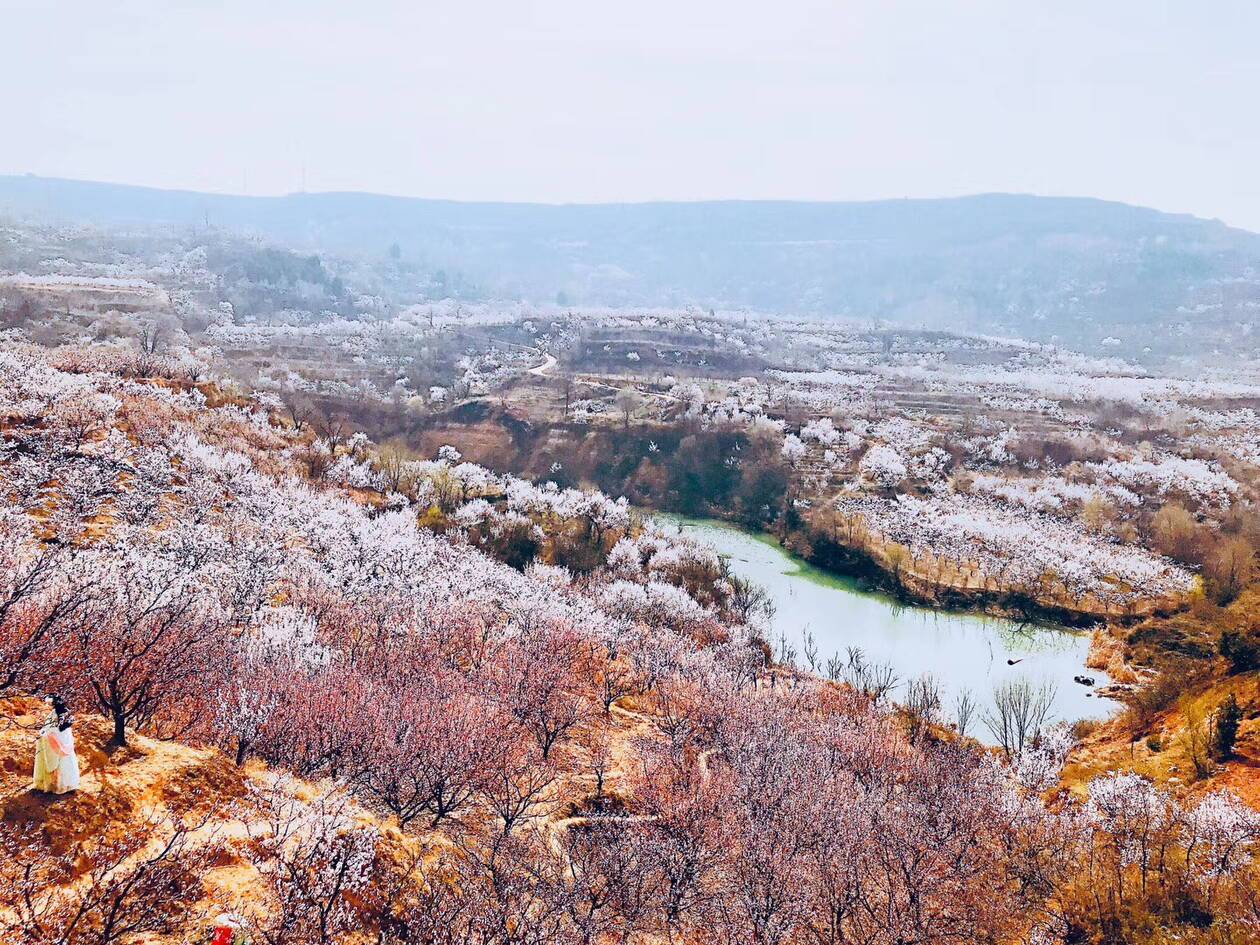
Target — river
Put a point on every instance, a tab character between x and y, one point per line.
961	650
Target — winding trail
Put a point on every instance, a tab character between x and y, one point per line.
544	369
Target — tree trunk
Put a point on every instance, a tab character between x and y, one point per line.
120	730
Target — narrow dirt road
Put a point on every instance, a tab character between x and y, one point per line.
544	369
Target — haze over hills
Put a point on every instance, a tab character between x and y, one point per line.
1075	270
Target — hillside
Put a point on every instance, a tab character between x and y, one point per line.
357	697
1078	270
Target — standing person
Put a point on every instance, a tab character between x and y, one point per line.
56	764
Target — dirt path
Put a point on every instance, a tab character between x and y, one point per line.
544	369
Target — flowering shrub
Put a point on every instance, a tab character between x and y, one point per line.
1202	482
884	466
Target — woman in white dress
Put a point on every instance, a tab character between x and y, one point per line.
56	764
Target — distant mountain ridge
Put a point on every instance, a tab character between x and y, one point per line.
1075	269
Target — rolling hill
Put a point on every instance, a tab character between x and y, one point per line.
1071	269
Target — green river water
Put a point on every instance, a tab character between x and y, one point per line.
961	650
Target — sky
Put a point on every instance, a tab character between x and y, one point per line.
1151	102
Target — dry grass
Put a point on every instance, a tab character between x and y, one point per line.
1158	749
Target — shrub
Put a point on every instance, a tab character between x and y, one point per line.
1159	694
1083	728
1240	650
1176	534
1228	717
1198	739
1230	568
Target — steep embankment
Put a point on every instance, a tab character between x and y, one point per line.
1164	747
1178	686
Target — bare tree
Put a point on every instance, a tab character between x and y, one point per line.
873	680
392	463
835	667
102	890
787	651
150	342
811	651
923	703
964	711
300	411
1020	711
567	386
628	400
333	428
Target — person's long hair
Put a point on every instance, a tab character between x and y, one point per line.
64	719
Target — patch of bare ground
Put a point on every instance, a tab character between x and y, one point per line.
152	783
1164	747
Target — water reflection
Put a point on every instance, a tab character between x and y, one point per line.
964	652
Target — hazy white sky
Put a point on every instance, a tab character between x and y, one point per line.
1145	101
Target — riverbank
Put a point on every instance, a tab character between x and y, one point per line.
895	574
822	618
890	569
682	469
